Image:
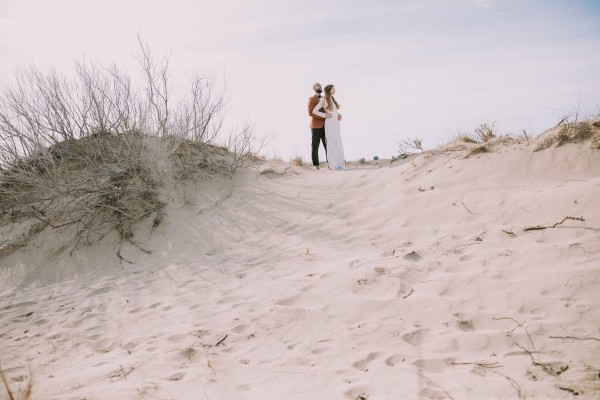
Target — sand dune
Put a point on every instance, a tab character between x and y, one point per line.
410	280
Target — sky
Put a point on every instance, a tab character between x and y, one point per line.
427	69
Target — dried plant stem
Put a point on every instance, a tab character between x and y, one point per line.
519	325
540	227
575	338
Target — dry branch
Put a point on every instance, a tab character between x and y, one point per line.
483	364
540	227
519	325
574	338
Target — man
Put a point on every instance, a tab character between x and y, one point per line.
317	125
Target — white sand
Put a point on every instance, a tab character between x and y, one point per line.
410	281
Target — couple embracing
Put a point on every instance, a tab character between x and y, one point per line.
325	127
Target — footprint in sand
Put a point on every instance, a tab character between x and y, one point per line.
26	303
239	328
319	350
364	363
428	393
289	301
177	338
176	377
415	338
412	256
395	360
73	324
432	365
96	292
464	323
357	393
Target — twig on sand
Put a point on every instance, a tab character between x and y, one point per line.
519	325
529	353
574	338
513	383
411	290
540	227
482	364
470	212
222	340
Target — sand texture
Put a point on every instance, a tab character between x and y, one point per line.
417	279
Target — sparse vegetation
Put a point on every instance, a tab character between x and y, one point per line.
407	146
485	131
375	158
362	161
92	152
465	138
572	132
297	160
477	150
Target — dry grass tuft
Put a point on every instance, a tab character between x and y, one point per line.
485	132
465	138
297	161
573	132
477	150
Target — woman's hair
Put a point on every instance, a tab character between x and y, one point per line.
329	99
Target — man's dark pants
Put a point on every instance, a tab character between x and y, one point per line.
318	135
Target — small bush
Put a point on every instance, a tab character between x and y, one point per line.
362	161
297	161
408	145
485	132
375	158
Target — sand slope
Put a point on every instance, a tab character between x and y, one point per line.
414	280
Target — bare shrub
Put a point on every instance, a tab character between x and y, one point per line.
485	131
297	160
93	151
243	144
407	147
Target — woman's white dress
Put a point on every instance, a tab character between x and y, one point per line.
333	135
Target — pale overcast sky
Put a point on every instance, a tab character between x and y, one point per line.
429	69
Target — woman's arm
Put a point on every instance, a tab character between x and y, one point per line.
320	105
311	104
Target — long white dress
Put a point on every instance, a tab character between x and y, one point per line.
333	135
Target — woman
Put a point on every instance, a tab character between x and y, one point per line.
333	135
